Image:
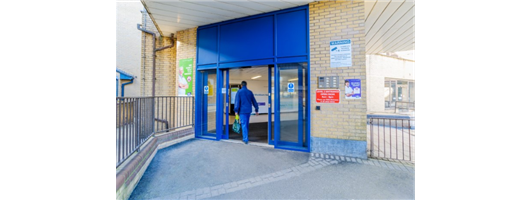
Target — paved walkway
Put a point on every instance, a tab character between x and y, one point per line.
204	169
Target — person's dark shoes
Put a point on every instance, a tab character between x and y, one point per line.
246	142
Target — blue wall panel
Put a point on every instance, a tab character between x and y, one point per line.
292	59
292	29
207	45
247	40
281	36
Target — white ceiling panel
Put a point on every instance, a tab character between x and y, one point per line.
389	24
374	14
183	14
384	17
184	19
250	5
228	7
206	9
401	34
168	7
276	3
376	32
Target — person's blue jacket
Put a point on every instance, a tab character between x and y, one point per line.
244	101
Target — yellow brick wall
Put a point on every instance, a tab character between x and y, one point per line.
330	21
165	78
186	48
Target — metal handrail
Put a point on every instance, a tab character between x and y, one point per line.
393	136
139	118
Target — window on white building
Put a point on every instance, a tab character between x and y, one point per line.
399	91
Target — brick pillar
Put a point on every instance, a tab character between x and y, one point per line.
338	129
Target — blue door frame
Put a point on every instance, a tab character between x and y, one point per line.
227	104
269	124
265	39
278	143
222	107
201	113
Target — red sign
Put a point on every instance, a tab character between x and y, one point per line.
328	96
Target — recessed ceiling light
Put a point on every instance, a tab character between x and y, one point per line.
255	77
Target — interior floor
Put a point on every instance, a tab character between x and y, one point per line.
257	132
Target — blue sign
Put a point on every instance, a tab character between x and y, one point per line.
206	89
339	42
290	87
352	88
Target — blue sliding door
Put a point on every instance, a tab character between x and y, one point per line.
211	104
291	115
208	103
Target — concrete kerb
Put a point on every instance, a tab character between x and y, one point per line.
395	165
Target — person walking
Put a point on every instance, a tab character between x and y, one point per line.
243	107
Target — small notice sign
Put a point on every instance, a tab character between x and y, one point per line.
290	87
328	96
352	88
340	53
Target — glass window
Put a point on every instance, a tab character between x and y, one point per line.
398	91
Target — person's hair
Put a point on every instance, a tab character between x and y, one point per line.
243	83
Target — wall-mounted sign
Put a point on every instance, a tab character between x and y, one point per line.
223	90
206	89
290	87
340	53
185	80
352	88
328	96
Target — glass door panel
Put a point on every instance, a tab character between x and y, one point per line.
292	100
209	102
211	98
288	103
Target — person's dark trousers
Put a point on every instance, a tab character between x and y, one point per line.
244	118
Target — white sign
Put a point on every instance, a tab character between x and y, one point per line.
206	89
223	90
340	53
